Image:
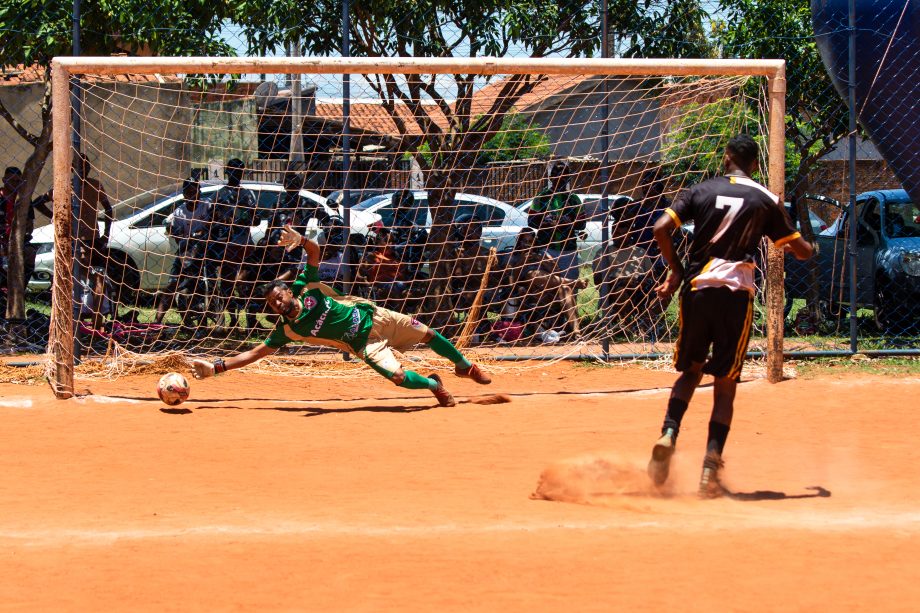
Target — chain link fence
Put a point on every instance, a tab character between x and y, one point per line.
854	193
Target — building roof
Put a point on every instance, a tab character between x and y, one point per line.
549	86
374	117
24	75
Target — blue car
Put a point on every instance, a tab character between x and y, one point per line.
887	260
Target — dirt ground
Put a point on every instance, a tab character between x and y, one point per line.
278	493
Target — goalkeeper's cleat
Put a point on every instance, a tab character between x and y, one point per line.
710	486
445	399
473	372
660	464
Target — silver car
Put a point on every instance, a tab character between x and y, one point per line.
140	251
501	221
589	241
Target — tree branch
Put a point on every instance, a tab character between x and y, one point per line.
18	127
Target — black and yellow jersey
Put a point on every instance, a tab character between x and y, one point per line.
731	215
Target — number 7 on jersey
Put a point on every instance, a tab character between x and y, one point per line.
733	205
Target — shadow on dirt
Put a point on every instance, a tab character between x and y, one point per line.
307	411
817	492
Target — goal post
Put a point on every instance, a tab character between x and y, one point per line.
419	116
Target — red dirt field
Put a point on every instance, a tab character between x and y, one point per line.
272	493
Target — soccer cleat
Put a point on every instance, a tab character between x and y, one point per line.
473	372
445	399
710	487
660	464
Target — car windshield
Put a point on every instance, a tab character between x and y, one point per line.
902	220
370	202
127	208
416	216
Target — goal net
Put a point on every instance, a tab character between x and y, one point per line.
508	204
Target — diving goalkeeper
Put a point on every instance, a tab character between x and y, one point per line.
314	313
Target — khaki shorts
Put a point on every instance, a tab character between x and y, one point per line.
391	329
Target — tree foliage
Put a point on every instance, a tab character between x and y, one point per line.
33	32
696	141
660	29
816	119
516	140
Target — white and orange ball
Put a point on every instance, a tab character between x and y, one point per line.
173	389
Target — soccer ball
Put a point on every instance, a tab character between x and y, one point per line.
173	389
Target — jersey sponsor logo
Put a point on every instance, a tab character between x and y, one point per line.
322	318
355	323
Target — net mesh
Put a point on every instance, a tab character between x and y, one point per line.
513	213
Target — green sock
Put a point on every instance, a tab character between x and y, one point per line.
445	349
415	381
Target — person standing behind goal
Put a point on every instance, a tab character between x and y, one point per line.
731	214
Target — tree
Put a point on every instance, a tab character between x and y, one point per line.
516	140
696	141
35	31
816	119
660	28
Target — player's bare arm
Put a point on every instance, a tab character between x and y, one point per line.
664	231
202	369
800	248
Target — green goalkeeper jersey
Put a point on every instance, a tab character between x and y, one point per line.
326	318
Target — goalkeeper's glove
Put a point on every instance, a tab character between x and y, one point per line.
290	238
202	369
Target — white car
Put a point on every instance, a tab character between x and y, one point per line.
141	251
589	241
501	221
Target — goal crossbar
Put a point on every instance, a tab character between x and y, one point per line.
386	65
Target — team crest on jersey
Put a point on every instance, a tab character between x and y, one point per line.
309	302
416	323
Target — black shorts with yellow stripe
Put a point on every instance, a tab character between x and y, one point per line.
716	316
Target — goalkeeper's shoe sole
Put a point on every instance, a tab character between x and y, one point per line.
473	372
445	399
660	465
710	486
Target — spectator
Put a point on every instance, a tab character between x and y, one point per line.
629	267
12	180
558	217
268	261
235	207
533	293
468	265
9	203
382	272
188	230
296	209
89	196
403	215
341	255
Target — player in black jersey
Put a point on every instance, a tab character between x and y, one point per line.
731	214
